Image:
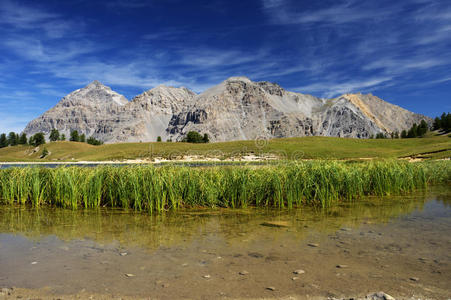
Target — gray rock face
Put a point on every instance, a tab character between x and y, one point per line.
236	109
239	109
147	116
91	110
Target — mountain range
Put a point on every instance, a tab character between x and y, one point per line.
236	109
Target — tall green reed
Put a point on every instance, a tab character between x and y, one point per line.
156	189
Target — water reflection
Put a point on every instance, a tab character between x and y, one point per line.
175	228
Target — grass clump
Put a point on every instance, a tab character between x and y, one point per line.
156	189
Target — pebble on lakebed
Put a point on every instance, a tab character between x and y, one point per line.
379	296
313	245
271	288
130	275
298	272
341	266
275	224
243	273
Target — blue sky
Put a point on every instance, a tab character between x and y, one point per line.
397	50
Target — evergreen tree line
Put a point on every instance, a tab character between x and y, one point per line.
443	123
196	137
191	137
76	137
416	130
14	139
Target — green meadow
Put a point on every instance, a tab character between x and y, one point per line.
286	148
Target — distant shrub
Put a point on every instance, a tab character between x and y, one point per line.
196	137
92	141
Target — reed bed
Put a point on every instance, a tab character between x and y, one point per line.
156	189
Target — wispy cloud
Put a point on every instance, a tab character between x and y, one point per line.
16	17
208	57
40	50
333	89
383	40
341	13
22	16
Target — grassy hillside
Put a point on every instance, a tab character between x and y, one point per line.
291	148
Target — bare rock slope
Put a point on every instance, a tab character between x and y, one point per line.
236	109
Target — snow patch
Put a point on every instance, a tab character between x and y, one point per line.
118	99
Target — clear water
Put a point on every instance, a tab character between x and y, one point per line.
400	245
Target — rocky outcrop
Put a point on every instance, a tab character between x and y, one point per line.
147	116
239	109
91	110
97	111
236	109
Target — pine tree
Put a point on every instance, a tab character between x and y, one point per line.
74	136
447	123
12	139
206	139
63	137
413	131
23	139
54	135
83	138
37	139
92	141
437	124
194	137
3	141
159	139
403	134
422	128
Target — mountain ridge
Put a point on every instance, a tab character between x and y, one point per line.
237	108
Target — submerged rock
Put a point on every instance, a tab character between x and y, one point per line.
379	296
255	254
275	224
341	266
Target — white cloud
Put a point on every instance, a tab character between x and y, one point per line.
344	12
333	89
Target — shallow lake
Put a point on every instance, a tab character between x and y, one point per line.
399	245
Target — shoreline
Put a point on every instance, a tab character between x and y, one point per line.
158	160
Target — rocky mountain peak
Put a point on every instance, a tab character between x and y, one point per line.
95	93
235	109
238	78
96	84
